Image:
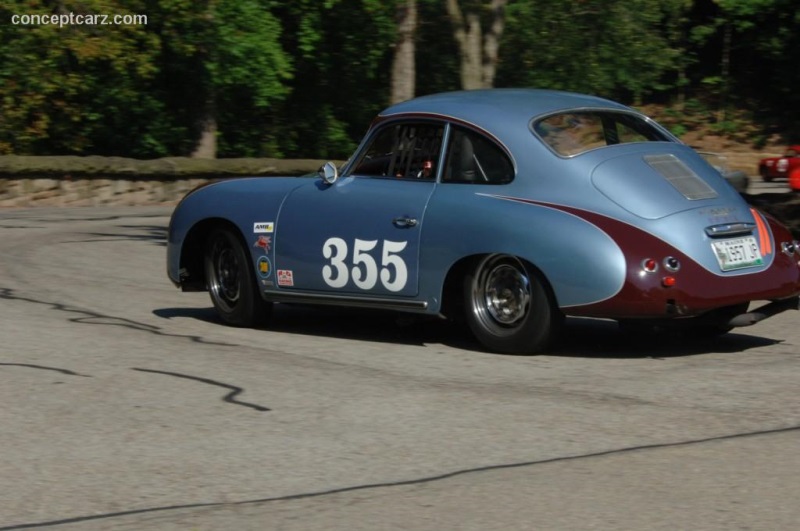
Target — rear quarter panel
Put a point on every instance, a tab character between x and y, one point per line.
581	262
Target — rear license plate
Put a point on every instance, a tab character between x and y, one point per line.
737	253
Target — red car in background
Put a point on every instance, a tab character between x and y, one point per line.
782	167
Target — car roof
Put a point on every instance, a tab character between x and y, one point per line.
492	108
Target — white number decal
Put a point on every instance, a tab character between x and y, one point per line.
335	249
365	268
390	250
360	256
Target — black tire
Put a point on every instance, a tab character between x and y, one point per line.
231	281
765	175
507	306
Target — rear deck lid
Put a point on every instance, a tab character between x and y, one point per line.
655	185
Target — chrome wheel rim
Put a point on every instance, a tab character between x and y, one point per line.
226	283
507	294
502	294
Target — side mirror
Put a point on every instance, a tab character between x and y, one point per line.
328	173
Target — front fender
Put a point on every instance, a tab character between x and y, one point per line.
237	202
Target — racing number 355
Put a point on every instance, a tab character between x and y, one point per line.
364	271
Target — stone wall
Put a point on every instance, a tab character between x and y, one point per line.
90	181
92	191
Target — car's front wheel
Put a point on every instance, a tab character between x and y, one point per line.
231	282
508	307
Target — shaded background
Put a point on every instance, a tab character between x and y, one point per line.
303	79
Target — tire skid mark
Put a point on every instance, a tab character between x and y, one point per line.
56	369
230	397
406	482
96	318
146	233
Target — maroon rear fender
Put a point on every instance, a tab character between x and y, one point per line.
692	289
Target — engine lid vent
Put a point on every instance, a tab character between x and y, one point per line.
681	176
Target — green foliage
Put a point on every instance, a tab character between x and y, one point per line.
678	130
70	89
341	75
135	90
305	78
437	52
765	37
620	48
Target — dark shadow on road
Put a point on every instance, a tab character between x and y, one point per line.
597	338
156	234
345	323
207	315
581	338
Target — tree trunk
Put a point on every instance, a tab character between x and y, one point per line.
722	114
403	67
479	51
491	45
207	145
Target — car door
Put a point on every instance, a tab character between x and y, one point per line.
361	234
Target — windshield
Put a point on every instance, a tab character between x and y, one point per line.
575	132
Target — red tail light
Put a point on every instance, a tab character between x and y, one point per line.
649	265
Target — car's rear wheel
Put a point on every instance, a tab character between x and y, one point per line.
231	282
508	307
765	174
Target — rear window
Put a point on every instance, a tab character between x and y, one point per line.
573	133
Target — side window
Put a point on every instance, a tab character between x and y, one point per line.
405	150
473	158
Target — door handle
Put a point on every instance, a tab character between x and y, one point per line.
404	223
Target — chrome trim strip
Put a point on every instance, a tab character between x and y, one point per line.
361	302
729	229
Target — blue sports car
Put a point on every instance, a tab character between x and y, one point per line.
508	209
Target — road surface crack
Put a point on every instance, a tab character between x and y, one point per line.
230	397
96	318
400	483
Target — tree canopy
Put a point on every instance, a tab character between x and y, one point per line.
304	78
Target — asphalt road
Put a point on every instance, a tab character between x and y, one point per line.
126	405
